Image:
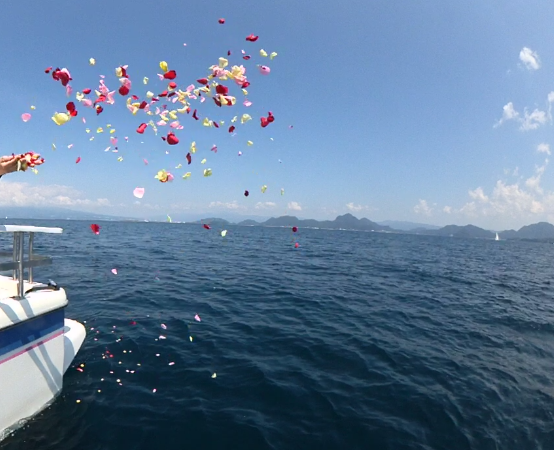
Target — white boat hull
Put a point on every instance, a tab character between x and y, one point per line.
37	346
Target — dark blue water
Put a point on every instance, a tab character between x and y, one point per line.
352	341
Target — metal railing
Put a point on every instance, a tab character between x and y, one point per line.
18	264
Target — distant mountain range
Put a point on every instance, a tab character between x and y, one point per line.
542	231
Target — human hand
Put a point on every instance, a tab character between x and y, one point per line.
9	164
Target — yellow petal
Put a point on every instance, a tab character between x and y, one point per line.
245	118
53	146
263	53
163	66
99	130
187	175
264	188
193	147
145	80
234	119
207	172
223	233
87	130
120	158
282	191
33	107
61	118
118	72
207	122
178	166
112	131
173	115
273	55
245	92
109	125
250	143
203	161
92	61
150	94
168	218
79	96
223	63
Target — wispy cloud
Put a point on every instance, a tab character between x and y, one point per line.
265	205
529	121
226	205
356	208
529	58
24	194
423	208
544	148
295	206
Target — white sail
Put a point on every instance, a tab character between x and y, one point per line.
497	238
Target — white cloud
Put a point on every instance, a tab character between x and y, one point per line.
478	194
551	97
24	194
295	206
508	113
355	208
529	58
423	208
533	121
265	205
226	205
544	148
447	209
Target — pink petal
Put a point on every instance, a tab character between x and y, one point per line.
114	271
247	103
174	124
145	161
197	318
113	140
164	326
25	117
138	192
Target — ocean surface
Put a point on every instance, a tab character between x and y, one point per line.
353	340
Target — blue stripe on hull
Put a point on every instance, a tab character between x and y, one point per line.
30	330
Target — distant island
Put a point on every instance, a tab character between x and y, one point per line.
542	231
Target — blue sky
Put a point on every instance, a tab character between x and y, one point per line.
396	109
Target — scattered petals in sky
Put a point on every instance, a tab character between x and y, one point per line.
264	70
25	117
138	192
207	172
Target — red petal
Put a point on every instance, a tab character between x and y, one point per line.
220	89
172	139
195	115
123	90
228	52
206	226
171	94
203	81
246	57
245	84
86	91
141	128
163	139
78	160
246	193
143	105
170	75
163	94
231	128
172	85
265	123
221	21
294	229
99	109
124	72
270	118
134	97
217	102
70	106
73	113
189	158
252	38
216	125
95	228
47	70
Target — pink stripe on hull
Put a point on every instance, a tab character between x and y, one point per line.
36	344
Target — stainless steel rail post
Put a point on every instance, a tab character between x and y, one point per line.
30	268
20	248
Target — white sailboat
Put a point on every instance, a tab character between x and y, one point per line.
37	342
497	238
